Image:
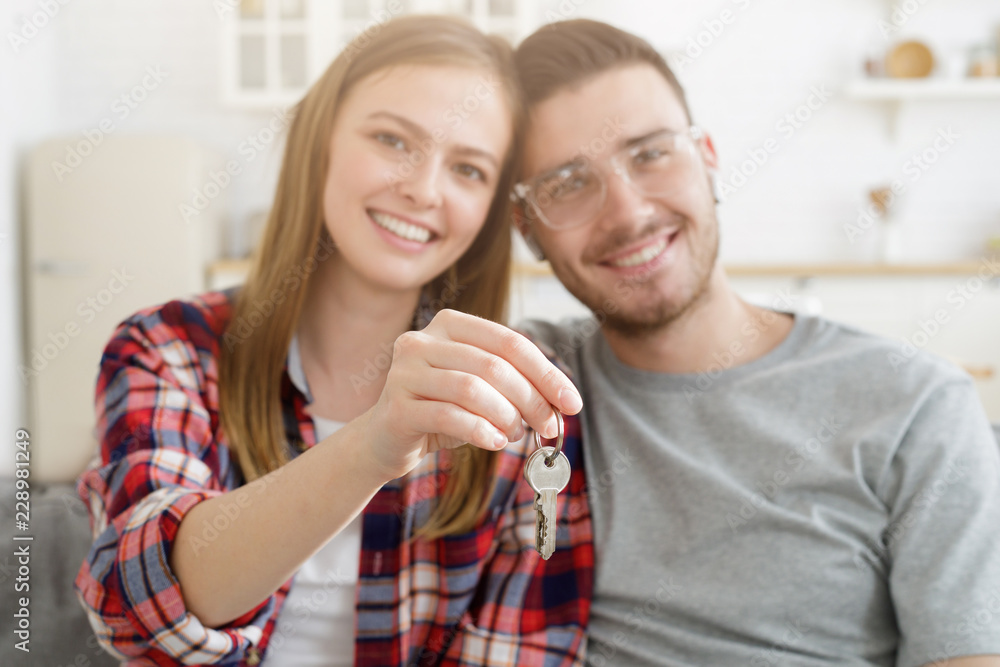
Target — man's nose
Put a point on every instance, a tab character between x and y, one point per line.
623	202
423	186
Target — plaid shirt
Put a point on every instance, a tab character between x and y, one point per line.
481	598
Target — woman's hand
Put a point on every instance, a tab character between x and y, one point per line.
463	379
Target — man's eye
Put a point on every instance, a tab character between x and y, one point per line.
471	172
567	185
650	154
391	140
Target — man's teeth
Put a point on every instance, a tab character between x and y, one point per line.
402	229
641	256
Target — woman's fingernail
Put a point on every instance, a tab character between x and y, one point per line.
500	440
570	401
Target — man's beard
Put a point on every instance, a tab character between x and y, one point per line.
662	313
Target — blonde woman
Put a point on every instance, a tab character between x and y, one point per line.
283	476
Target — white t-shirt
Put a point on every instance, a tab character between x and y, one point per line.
316	623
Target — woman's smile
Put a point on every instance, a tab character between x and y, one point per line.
402	233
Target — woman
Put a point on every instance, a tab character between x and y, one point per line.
251	436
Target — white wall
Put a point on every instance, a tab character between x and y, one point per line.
760	67
763	65
27	111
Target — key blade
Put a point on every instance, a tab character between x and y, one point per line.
540	526
547	501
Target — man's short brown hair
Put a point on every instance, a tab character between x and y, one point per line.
566	54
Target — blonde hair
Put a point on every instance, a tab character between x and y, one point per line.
295	237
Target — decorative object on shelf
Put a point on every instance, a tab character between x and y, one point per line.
875	66
983	62
956	64
909	60
891	239
874	63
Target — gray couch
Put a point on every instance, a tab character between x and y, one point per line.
60	633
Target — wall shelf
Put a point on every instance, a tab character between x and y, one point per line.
239	267
846	269
900	90
895	92
856	269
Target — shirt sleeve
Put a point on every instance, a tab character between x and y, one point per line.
157	459
943	538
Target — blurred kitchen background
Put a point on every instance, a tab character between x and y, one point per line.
858	139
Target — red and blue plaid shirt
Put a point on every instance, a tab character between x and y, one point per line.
481	598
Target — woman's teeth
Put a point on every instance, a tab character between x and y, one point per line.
641	256
401	229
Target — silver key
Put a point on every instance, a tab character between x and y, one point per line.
547	480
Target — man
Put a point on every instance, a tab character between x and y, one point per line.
765	488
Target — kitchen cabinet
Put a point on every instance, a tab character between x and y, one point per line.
273	50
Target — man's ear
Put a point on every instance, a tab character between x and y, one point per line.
524	227
708	153
711	159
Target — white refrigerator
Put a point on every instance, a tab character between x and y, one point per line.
106	233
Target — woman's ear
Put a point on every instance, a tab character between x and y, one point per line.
522	225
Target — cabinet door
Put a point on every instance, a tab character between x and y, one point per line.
273	50
103	241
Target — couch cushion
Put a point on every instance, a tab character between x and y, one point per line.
60	633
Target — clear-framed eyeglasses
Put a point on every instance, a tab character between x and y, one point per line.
573	194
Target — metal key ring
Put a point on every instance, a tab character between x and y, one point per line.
550	459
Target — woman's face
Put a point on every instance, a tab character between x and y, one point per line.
415	155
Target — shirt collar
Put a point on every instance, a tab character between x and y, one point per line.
295	371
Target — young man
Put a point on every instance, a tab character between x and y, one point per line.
765	487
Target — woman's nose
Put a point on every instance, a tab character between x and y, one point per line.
423	187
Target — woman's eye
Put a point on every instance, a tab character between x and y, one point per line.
471	172
391	140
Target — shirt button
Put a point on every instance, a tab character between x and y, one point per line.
253	657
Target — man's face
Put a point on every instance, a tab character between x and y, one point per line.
643	260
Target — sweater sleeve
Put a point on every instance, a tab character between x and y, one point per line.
158	458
